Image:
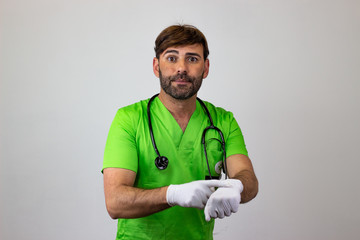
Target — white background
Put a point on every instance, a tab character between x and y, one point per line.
288	69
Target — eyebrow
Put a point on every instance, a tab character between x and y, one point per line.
186	54
171	51
193	54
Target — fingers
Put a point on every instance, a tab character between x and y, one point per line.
227	210
216	183
196	194
221	214
214	212
207	214
223	202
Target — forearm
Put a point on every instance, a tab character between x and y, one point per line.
131	202
250	184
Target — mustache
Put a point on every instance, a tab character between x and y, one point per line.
182	76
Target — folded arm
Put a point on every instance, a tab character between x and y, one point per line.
125	201
240	167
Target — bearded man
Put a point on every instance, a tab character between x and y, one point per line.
164	156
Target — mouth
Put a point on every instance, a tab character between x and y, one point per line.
181	80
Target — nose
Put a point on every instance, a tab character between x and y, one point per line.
181	66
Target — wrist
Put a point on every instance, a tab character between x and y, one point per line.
236	183
170	192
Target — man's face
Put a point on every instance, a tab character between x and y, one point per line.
181	70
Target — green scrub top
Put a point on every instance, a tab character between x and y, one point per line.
129	146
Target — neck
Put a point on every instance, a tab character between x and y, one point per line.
181	110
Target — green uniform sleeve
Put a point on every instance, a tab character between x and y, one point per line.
120	148
235	143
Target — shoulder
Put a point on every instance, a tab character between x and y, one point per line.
129	117
218	112
133	111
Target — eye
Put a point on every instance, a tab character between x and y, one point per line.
171	59
193	59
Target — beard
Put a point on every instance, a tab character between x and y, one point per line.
180	92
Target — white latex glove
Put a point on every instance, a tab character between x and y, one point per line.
225	200
193	194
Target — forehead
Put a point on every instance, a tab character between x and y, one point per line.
185	49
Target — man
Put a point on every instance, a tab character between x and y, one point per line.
168	198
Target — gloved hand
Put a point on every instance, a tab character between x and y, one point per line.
225	200
193	194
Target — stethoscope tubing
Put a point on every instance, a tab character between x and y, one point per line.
150	125
162	166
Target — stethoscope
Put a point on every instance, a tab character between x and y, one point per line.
161	162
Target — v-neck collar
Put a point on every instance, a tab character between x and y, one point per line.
168	123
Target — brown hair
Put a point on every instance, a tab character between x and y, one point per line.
180	35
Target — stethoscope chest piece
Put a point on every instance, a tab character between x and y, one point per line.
161	162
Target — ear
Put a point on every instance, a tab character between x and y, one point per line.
156	66
206	68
